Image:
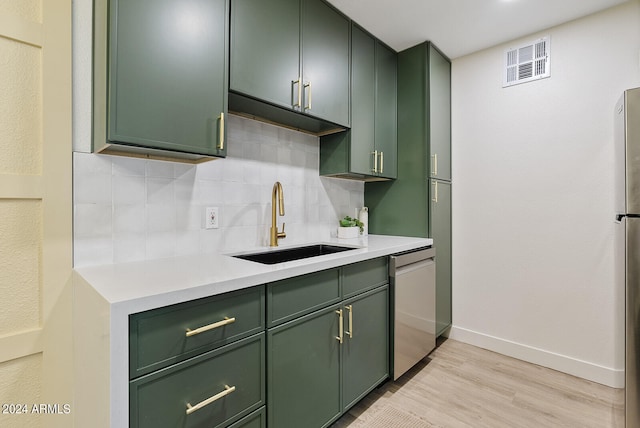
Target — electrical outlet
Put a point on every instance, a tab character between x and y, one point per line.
211	218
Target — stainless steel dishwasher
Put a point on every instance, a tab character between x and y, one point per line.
413	280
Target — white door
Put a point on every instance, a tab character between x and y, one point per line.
35	213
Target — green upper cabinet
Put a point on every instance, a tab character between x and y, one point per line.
368	150
363	98
265	49
440	112
386	138
293	55
325	62
166	81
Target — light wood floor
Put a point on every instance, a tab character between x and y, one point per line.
460	385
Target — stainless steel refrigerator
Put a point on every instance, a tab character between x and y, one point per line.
628	216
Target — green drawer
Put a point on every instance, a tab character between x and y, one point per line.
160	399
363	276
157	338
294	297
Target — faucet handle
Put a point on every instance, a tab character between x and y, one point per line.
281	234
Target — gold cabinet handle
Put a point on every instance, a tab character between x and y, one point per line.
434	184
308	99
375	161
435	164
202	329
227	390
340	325
381	162
221	139
298	103
350	332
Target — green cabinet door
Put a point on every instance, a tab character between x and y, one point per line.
304	371
265	50
440	216
325	62
386	108
368	151
292	54
440	115
365	350
167	74
363	75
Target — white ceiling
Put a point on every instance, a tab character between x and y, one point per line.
460	27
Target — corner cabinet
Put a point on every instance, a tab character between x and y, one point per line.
326	351
161	73
292	55
418	202
368	151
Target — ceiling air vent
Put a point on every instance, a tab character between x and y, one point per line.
528	62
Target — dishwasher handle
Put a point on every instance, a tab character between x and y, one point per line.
403	259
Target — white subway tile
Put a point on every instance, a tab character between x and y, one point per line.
133	209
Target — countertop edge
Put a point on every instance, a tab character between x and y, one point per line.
138	286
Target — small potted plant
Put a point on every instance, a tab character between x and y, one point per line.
350	227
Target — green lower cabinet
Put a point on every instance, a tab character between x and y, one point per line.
212	390
440	211
304	371
365	348
323	363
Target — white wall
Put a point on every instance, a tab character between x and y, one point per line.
533	214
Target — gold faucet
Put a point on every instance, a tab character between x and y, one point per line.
274	235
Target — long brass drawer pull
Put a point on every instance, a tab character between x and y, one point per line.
434	198
350	332
375	160
227	390
340	325
308	98
218	324
381	162
221	145
297	103
435	164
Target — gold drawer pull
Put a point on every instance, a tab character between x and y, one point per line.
375	161
340	325
350	332
224	322
308	99
298	82
227	390
221	136
434	198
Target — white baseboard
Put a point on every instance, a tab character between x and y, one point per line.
583	369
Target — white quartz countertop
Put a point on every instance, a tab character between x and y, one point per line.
139	286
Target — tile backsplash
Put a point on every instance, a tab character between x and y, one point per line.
129	209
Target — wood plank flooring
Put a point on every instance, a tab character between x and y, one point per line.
460	385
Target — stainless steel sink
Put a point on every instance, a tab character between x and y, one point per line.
289	254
